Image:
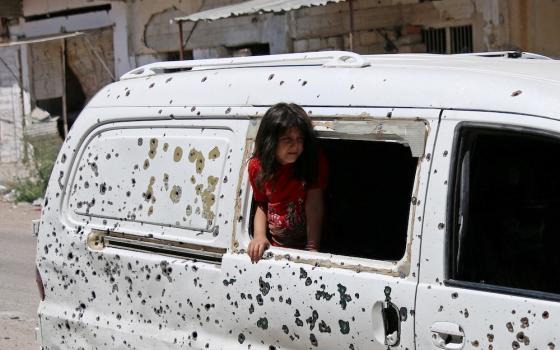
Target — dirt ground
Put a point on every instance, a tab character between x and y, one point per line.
18	292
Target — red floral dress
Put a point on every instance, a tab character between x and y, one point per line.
283	199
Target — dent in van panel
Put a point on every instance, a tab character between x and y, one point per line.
167	183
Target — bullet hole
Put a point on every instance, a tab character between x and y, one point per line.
524	322
516	93
86	184
150	210
188	210
270	77
445	153
515	345
127	93
545	315
522	338
404	313
146	164
281	82
299	322
414	200
170	101
203	80
128	193
441	226
344	298
168	80
454	295
241	338
193	180
102	188
259	300
214	153
304	83
509	327
194	335
440	309
344	326
466	313
490	337
302	273
177	154
262	323
152	85
264	287
63	158
313	339
352	87
193	108
228	110
475	343
551	346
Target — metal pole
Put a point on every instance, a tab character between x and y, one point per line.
64	112
351	34
181	52
22	104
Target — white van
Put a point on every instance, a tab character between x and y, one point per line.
441	224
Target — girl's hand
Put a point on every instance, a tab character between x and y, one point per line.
256	248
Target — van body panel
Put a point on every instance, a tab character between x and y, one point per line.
472	83
487	316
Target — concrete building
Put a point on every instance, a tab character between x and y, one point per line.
105	39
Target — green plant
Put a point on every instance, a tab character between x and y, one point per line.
43	156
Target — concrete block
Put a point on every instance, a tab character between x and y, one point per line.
314	44
301	45
368	37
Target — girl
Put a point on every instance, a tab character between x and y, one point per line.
288	175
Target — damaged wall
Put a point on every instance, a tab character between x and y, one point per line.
86	65
154	32
534	26
393	26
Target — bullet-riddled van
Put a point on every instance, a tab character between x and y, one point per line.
440	230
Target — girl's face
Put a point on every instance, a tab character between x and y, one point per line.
290	146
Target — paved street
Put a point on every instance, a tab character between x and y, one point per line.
18	293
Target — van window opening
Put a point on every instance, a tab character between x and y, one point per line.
367	199
506	196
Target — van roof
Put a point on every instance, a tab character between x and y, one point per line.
460	82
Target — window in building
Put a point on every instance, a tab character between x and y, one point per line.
505	204
449	40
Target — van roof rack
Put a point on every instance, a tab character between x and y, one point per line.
509	54
330	58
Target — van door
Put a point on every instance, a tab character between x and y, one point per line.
137	217
490	270
358	292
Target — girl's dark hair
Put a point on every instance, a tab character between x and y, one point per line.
276	121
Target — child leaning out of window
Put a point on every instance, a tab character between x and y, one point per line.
288	175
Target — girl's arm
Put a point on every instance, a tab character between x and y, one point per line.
314	214
259	243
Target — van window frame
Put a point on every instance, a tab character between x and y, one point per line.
360	264
453	209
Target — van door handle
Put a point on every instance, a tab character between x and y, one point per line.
447	335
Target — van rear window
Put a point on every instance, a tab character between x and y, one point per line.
162	176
